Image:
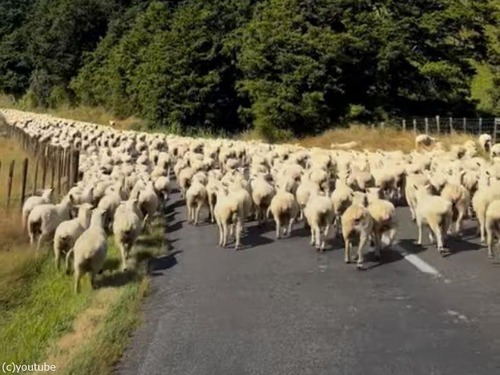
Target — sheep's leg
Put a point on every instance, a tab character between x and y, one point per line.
124	256
482	228
431	235
319	238
239	229
224	234
460	217
489	240
290	224
221	232
77	280
41	239
301	216
197	214
377	237
312	236
347	250
93	283
278	229
419	225
439	241
362	242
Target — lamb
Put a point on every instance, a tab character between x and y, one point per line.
495	150
434	211
43	220
356	220
34	201
284	209
68	231
196	198
319	214
127	225
90	250
383	214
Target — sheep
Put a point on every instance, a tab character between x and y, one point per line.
262	194
413	180
356	220
424	140
148	201
383	214
495	150
284	209
485	141
90	250
228	212
434	211
196	198
480	202
34	201
460	200
320	216
127	225
68	231
43	220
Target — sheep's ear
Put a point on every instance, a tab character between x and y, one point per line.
71	199
415	187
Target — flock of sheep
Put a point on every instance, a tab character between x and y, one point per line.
126	180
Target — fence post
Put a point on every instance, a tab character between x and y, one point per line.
451	124
69	156
76	165
480	126
426	125
36	176
495	131
438	127
382	125
415	126
9	181
59	170
24	176
404	125
465	125
44	171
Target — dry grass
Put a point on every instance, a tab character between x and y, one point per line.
387	139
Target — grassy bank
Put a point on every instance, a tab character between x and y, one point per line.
43	320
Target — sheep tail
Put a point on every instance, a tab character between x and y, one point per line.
68	256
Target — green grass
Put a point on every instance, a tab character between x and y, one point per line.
38	307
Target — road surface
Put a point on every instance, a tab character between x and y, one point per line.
279	307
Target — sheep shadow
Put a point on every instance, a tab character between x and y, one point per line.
253	237
177	204
174	227
457	245
118	279
163	263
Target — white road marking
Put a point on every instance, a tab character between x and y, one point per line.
421	265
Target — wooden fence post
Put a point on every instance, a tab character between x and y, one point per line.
426	125
438	127
9	181
24	177
495	131
451	124
480	126
465	125
404	125
415	126
36	176
59	170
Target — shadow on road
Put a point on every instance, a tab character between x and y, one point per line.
163	263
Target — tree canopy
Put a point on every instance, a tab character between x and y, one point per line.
292	65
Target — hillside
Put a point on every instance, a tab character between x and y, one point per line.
282	66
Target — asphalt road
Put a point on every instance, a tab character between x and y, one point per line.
279	307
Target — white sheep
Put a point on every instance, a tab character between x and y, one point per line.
434	211
228	215
127	225
262	194
43	220
480	202
424	140
90	250
196	198
485	141
383	214
34	201
356	221
284	209
148	201
68	231
320	216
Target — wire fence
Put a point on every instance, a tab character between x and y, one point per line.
447	125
